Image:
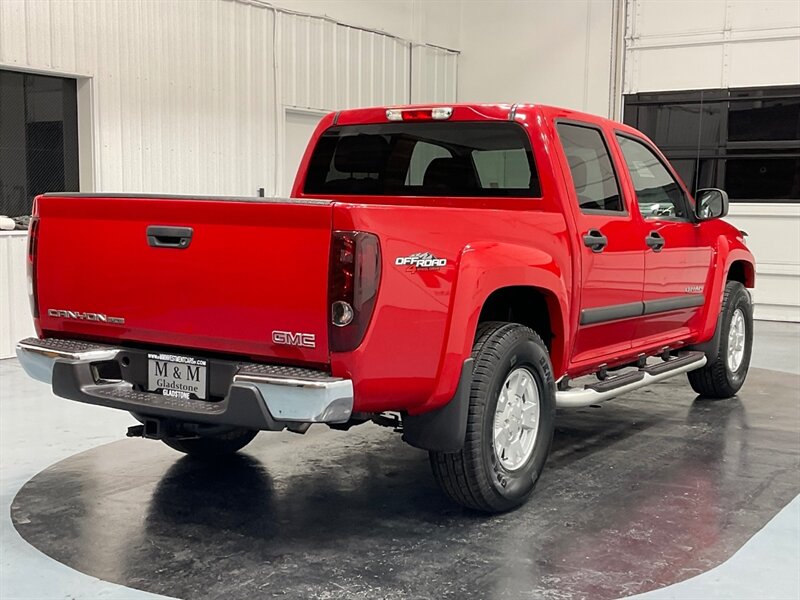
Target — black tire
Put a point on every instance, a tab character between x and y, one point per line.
716	380
213	446
474	477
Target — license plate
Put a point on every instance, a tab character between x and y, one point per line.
177	376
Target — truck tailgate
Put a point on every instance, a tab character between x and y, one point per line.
250	269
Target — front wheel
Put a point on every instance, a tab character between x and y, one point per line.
215	446
510	422
724	374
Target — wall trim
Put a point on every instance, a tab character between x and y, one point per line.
706	38
288	11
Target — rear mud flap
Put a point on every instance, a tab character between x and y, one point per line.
443	429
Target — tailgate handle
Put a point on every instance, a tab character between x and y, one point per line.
159	236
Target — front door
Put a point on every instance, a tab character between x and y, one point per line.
677	265
612	259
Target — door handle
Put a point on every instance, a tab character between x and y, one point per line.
160	236
655	241
595	240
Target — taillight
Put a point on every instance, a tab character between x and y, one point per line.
355	273
33	243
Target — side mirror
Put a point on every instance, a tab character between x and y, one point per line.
711	203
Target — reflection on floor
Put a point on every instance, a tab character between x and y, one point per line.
639	494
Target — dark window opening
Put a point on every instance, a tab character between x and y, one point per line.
753	177
745	141
758	120
38	139
424	159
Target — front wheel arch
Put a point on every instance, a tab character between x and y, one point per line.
743	272
716	379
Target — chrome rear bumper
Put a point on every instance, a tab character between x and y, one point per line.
37	356
260	396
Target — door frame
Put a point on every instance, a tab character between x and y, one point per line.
281	151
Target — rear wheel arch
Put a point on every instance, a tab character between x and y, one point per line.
534	307
484	269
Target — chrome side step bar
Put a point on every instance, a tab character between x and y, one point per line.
627	382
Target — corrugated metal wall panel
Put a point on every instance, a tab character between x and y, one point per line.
12	40
183	97
329	66
434	74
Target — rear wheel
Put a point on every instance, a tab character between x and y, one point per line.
212	446
724	374
510	422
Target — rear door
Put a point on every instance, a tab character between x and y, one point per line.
677	263
612	259
236	276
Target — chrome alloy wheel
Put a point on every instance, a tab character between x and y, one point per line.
516	419
737	336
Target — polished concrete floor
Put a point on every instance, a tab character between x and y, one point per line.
648	491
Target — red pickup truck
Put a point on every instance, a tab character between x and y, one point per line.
446	270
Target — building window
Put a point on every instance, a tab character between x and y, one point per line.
38	139
745	141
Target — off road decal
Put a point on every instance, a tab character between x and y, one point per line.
421	261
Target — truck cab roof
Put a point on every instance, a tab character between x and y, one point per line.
521	112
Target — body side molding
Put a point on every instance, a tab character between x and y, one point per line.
615	312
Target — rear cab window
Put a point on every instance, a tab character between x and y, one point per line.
460	158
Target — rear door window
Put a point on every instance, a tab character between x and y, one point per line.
424	159
591	169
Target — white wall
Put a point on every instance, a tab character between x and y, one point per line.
556	52
15	316
697	44
774	239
